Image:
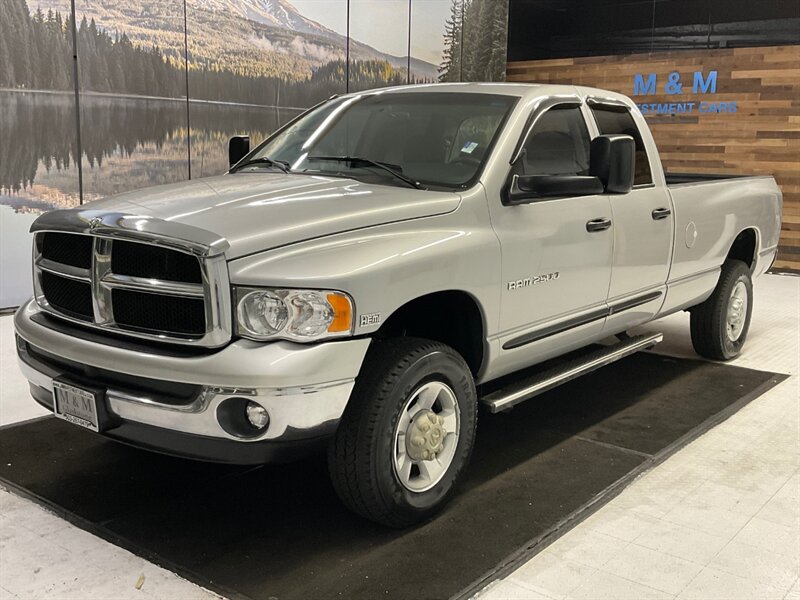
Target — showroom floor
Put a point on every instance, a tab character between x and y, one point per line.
719	519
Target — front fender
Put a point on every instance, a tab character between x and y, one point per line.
385	267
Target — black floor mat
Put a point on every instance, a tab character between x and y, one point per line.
279	531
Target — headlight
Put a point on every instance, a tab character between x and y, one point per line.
300	315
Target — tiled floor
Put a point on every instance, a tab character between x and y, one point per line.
43	556
720	519
15	404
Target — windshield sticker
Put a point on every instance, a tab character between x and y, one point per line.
469	147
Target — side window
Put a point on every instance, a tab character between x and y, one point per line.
557	145
613	120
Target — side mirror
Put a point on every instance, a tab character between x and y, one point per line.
529	188
612	159
238	148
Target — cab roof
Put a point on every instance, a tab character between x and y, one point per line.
519	90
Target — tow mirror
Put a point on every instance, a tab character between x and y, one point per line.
238	148
529	188
612	159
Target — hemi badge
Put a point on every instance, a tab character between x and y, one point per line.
369	319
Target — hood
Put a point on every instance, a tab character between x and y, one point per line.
260	211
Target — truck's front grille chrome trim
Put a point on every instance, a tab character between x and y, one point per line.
101	295
210	328
63	270
159	286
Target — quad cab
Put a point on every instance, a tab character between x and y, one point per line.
352	282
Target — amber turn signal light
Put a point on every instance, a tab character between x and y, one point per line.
342	313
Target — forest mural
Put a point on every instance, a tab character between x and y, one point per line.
475	40
162	84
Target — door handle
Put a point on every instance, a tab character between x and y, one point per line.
661	213
599	224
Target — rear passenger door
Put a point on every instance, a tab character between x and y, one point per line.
643	226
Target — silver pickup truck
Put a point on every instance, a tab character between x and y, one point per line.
361	280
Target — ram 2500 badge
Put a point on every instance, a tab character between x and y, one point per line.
354	281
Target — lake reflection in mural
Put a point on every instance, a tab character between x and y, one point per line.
128	143
144	140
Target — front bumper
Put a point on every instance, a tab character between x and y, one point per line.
170	402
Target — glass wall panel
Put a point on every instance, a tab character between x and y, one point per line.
132	95
433	40
38	145
484	40
378	43
250	72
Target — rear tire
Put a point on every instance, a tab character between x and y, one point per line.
407	433
719	325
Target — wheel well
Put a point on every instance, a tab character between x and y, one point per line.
451	317
744	247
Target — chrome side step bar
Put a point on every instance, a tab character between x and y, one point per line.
529	387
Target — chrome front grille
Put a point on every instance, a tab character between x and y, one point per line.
140	288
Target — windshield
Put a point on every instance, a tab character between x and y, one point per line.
436	139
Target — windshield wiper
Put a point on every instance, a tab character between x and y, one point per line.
264	160
354	160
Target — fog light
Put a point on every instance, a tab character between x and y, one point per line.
257	415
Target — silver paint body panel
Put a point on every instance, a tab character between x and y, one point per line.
256	211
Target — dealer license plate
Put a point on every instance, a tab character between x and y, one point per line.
76	405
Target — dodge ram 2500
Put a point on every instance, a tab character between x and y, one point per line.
356	281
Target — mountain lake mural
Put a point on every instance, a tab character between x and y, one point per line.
142	100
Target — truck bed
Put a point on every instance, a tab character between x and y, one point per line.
682	178
711	210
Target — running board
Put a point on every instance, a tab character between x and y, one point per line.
529	387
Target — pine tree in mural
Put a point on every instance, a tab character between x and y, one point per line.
6	68
35	50
497	55
450	69
475	41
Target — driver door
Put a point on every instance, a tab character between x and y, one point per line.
556	270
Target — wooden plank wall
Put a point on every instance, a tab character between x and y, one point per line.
762	137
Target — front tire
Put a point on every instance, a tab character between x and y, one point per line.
719	325
407	433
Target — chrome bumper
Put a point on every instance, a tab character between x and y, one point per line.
304	388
